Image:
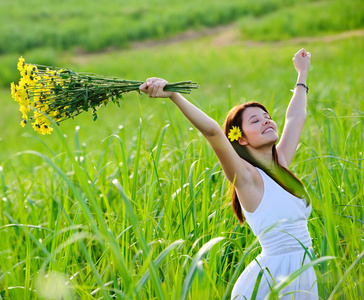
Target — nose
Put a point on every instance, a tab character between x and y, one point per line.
266	121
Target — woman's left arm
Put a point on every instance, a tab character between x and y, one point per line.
296	111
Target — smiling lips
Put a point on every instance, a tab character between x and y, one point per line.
270	128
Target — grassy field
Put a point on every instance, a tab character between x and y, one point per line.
296	20
62	25
134	205
46	31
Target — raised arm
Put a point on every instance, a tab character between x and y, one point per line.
235	168
296	111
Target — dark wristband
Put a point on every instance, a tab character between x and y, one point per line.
302	84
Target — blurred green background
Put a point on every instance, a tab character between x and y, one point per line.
237	50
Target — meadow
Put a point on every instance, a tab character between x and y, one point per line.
135	205
27	25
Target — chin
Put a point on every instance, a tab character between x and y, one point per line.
276	137
273	139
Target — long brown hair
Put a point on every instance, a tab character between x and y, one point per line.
285	178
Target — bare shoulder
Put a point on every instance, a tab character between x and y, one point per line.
237	170
250	191
243	175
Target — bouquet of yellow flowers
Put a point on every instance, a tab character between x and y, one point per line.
59	94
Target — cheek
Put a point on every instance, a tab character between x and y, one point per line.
251	131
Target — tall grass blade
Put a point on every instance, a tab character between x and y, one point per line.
341	280
143	243
257	283
193	268
162	256
136	162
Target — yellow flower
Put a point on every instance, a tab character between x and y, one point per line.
21	63
29	75
23	123
234	134
36	127
40	118
13	90
20	95
45	129
24	109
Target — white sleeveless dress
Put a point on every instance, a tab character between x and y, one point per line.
281	253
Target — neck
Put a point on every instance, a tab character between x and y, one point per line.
263	156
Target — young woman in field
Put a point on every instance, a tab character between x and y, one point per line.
272	200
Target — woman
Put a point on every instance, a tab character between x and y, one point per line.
273	201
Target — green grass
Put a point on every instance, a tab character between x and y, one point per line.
134	205
298	21
45	32
140	211
93	26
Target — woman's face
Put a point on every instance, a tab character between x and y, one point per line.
259	129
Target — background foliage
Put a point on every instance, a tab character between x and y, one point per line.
134	205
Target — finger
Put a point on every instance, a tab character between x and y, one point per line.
151	80
156	88
152	90
303	52
149	88
143	87
161	88
298	53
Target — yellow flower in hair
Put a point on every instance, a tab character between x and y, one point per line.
234	134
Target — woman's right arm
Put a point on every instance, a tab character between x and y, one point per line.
237	170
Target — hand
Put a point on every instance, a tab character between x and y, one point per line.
301	61
153	87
